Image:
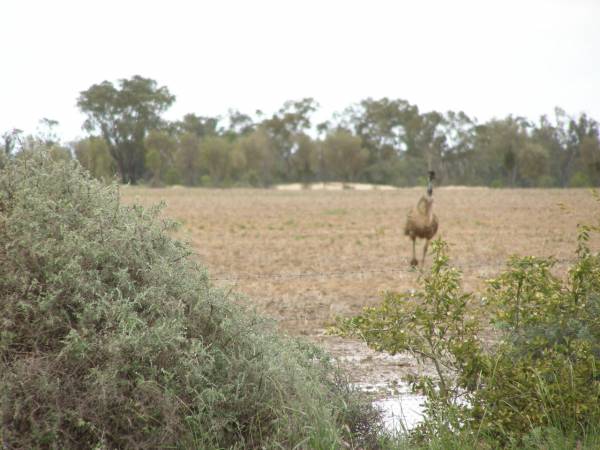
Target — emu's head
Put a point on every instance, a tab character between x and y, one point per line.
430	183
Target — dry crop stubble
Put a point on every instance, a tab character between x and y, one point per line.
304	257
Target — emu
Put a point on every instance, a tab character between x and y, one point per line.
421	222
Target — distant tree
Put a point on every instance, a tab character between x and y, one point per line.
498	146
92	153
400	143
284	127
533	162
160	155
590	157
553	139
124	115
583	142
216	158
391	130
240	124
571	143
260	158
323	127
198	125
306	159
383	125
187	159
344	156
430	142
237	163
459	131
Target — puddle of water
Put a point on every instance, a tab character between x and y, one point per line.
404	411
401	413
401	410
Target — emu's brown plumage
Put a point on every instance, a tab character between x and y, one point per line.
421	222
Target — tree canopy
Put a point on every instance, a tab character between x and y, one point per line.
123	115
383	141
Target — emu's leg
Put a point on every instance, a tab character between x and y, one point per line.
413	261
424	251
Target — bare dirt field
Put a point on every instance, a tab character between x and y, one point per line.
304	257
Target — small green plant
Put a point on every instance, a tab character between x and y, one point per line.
541	373
335	212
545	370
435	326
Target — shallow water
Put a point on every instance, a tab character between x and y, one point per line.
402	412
381	374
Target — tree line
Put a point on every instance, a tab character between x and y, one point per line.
382	141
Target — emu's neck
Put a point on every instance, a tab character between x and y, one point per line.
425	206
429	210
429	203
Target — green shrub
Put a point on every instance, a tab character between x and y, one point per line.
579	180
434	325
541	375
546	181
111	337
545	372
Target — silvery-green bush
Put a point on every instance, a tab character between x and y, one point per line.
112	337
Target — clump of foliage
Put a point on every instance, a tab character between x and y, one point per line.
112	337
541	374
434	325
545	371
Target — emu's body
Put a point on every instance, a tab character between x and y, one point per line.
421	222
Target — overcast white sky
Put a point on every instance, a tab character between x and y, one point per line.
487	58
